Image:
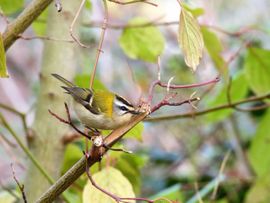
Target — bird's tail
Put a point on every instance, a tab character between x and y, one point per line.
63	80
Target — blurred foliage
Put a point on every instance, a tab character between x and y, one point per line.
39	25
151	41
214	48
260	146
238	91
257	69
10	7
170	157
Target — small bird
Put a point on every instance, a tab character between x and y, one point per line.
99	109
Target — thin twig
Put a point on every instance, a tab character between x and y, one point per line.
79	168
217	108
69	121
72	26
173	86
133	1
20	114
25	149
166	102
45	38
99	50
221	170
23	21
9	151
21	186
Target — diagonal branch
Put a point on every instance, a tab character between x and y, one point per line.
23	21
79	168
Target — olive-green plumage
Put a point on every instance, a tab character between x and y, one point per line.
98	109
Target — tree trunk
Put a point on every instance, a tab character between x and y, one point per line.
58	57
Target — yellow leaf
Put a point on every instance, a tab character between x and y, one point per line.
3	66
190	39
111	180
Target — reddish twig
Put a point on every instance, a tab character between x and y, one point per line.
172	86
133	1
99	50
166	102
21	186
69	122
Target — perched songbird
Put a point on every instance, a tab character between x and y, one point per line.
99	109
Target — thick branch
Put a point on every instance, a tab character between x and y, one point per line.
23	21
79	168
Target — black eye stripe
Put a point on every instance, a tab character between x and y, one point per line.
123	108
123	101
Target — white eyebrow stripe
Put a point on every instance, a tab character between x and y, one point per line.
119	104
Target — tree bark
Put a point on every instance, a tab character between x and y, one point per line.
58	57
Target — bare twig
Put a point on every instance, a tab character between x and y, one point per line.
20	114
133	1
217	108
166	102
7	147
69	121
22	22
25	149
9	143
73	23
99	50
21	186
221	170
45	38
173	86
79	168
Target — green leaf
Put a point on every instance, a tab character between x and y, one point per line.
88	5
72	154
40	24
3	66
111	180
190	39
11	6
196	12
239	90
259	192
259	150
257	69
214	48
130	166
145	43
135	132
84	81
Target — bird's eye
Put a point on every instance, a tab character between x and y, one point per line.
123	108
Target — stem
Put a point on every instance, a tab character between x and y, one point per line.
79	168
199	113
104	26
23	21
25	149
